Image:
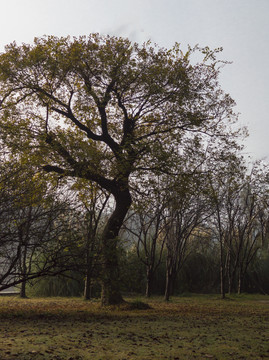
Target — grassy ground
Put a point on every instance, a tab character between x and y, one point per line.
196	327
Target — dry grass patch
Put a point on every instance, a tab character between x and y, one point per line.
197	327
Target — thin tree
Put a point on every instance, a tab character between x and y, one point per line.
187	208
147	226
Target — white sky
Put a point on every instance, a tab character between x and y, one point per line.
241	27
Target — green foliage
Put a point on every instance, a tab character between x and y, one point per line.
70	285
32	222
100	107
133	277
199	274
257	279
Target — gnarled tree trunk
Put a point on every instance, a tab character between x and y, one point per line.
110	270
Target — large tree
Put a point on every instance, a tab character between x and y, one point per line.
106	110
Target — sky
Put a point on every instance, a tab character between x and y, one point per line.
241	27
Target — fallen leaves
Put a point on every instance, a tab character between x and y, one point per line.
196	328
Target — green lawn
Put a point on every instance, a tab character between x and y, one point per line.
195	327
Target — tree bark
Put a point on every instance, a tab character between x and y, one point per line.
87	287
149	282
222	272
240	280
229	273
167	286
24	272
222	282
23	290
89	265
110	268
173	282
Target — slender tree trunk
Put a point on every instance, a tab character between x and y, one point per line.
110	270
87	283
222	272
87	287
240	279
173	282
24	271
229	273
167	286
239	285
149	282
168	279
233	275
222	284
222	275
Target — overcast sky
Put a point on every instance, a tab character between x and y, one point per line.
241	27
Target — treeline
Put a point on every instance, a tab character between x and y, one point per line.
201	232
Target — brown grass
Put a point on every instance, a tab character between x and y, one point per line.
196	327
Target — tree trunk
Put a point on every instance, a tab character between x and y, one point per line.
23	290
169	275
87	287
167	286
149	282
239	285
89	265
222	275
222	280
173	282
24	272
110	271
110	274
229	272
240	280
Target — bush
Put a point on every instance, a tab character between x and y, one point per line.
70	285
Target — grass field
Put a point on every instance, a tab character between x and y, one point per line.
194	327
